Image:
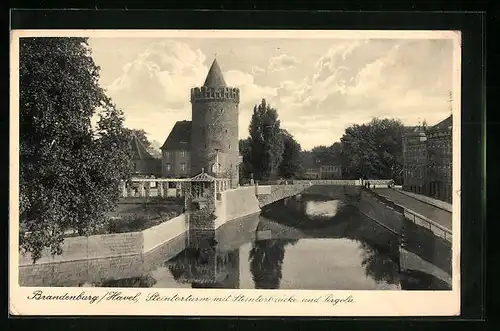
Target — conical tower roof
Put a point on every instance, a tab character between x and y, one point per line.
215	77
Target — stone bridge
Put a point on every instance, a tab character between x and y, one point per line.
267	194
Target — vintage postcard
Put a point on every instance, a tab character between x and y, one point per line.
235	173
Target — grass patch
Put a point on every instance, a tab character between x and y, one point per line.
135	217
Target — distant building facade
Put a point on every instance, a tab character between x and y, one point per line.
209	142
312	173
324	172
427	153
330	172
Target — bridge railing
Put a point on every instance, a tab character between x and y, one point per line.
437	229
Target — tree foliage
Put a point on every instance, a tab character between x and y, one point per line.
373	150
246	164
266	143
141	135
291	163
69	171
330	155
143	138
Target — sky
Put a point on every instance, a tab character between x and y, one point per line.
319	86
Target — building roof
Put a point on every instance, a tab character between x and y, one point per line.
180	137
139	151
215	77
444	124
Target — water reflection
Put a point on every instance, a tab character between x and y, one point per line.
380	267
142	281
266	260
323	209
203	265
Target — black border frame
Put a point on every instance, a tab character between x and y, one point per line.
473	175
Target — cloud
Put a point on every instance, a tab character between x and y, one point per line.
257	70
282	62
357	80
161	75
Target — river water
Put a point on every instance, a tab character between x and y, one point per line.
303	242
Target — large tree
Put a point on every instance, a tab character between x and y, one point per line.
291	163
246	164
69	171
330	155
373	150
266	143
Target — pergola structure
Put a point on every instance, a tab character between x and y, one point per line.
148	187
204	187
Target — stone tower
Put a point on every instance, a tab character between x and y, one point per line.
214	132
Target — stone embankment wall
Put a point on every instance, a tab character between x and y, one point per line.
388	216
104	256
236	203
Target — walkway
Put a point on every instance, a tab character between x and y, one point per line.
438	215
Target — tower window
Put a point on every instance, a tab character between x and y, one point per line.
229	146
221	110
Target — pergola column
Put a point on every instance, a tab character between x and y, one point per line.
161	192
123	187
142	193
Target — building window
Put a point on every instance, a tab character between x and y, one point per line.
229	146
222	110
169	167
167	154
225	130
183	167
183	153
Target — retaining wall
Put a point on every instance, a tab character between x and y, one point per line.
161	233
235	204
112	245
389	217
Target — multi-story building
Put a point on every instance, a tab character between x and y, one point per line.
415	160
330	172
176	151
439	145
427	153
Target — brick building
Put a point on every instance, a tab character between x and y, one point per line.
415	160
427	153
214	128
439	146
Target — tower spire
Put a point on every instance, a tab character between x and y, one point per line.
214	76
